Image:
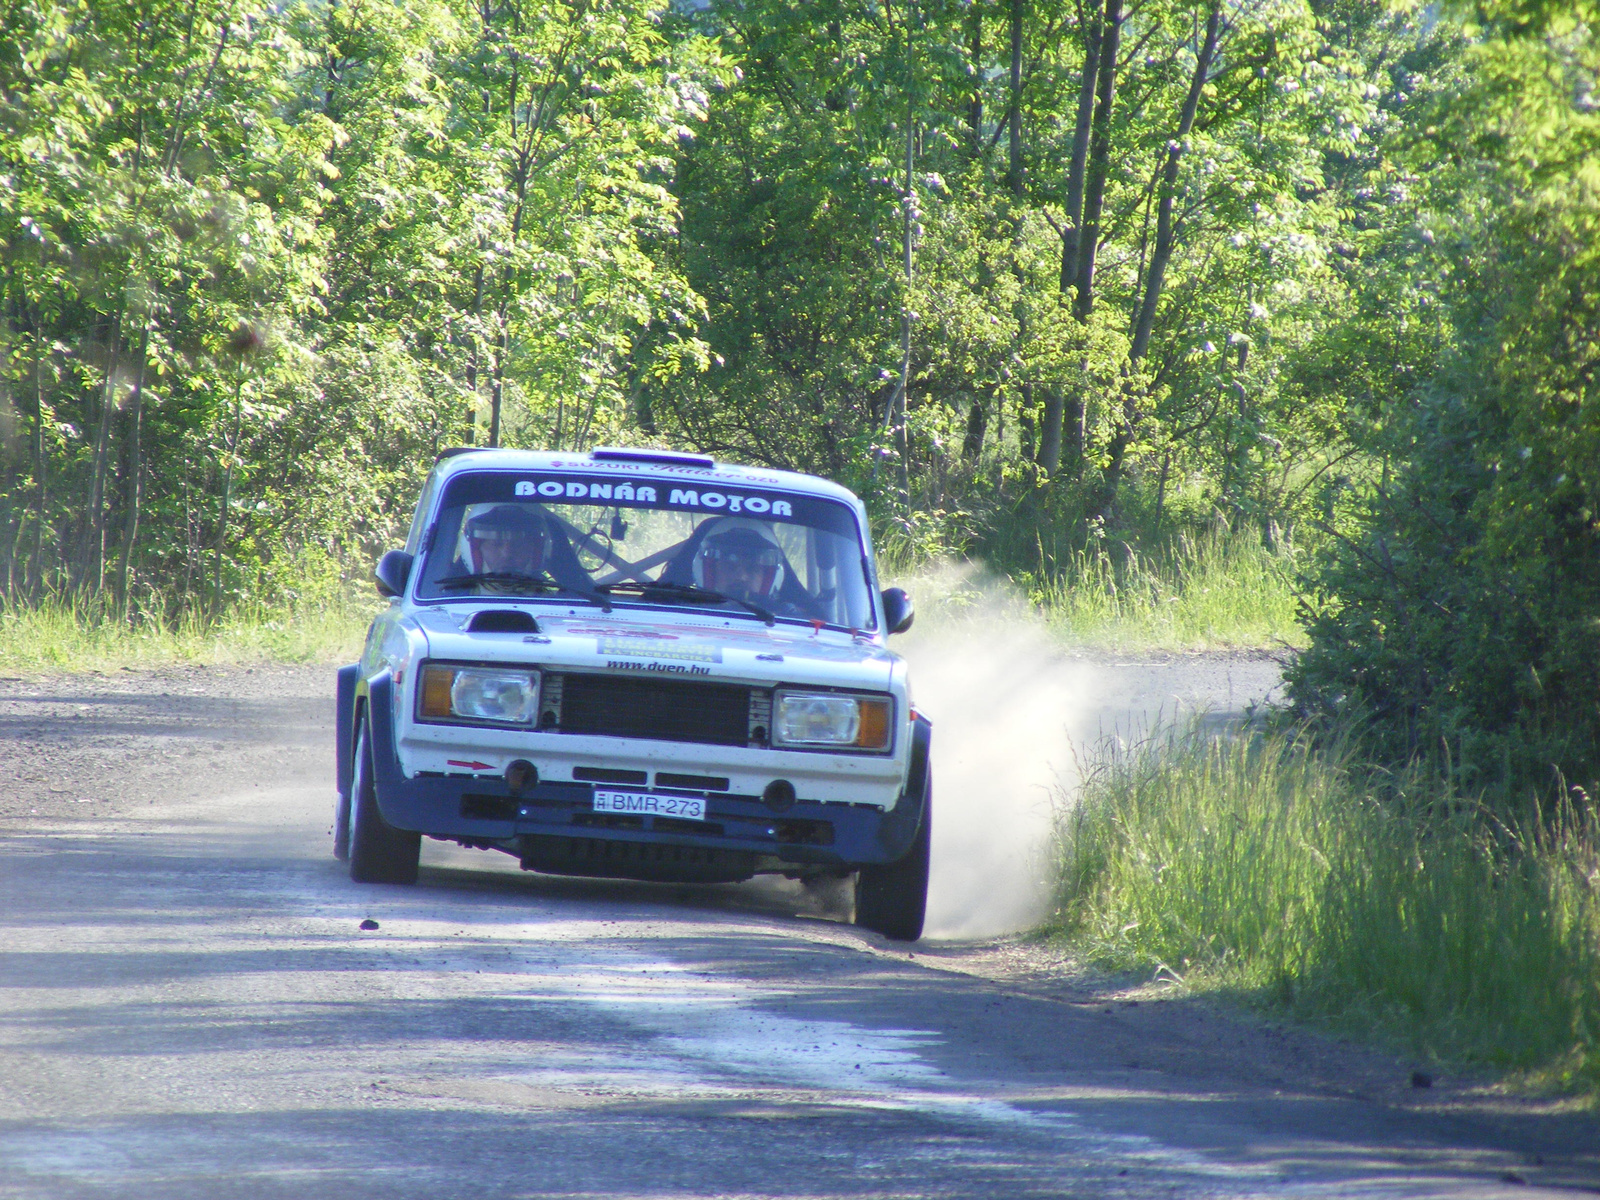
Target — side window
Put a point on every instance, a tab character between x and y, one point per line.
414	538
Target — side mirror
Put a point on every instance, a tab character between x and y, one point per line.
897	611
391	573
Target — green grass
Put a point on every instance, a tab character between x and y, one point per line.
1217	591
64	635
1261	868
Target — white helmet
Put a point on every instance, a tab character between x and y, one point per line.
739	557
521	529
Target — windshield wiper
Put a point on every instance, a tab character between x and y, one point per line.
655	589
540	583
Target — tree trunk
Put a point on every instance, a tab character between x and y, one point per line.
497	394
1072	436
1116	453
1050	430
227	488
1000	439
1025	422
41	491
1014	170
475	348
1080	235
13	583
188	542
1058	428
1080	152
834	99
17	516
902	438
1155	275
94	547
977	426
135	460
1099	160
1016	180
975	61
1161	255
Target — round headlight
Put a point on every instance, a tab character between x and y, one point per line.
504	697
817	720
483	695
823	719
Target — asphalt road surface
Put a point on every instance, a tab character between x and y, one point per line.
188	1008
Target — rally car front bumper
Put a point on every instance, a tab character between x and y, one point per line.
553	826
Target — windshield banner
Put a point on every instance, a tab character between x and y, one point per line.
485	487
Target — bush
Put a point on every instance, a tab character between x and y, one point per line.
1461	614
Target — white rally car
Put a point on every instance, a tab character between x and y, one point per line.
638	664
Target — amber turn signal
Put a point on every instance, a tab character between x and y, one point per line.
436	682
873	731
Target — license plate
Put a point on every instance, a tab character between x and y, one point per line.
645	804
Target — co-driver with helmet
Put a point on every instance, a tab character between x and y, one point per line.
739	558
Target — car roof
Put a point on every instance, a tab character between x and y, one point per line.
642	464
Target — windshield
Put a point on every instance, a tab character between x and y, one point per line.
600	540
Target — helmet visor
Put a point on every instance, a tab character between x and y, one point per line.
501	545
740	567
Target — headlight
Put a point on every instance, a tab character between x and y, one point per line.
479	694
819	719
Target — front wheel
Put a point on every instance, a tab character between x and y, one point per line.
892	898
379	853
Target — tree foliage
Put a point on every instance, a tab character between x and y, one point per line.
261	261
1461	608
1188	160
1029	274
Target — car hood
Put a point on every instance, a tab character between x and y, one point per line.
665	644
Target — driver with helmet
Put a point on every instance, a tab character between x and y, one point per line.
739	558
508	539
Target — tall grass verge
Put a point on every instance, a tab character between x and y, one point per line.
1261	867
1215	590
65	634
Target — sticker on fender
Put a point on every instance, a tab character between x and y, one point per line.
690	808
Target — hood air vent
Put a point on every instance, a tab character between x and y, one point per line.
502	620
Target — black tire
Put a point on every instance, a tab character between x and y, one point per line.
892	898
379	853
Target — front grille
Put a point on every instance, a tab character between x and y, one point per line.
667	710
558	855
609	775
697	783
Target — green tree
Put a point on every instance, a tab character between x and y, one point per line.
1099	195
156	234
260	262
1464	614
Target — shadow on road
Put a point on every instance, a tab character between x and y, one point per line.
219	1026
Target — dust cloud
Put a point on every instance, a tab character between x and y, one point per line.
1003	697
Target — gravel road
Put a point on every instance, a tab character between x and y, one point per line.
188	1008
